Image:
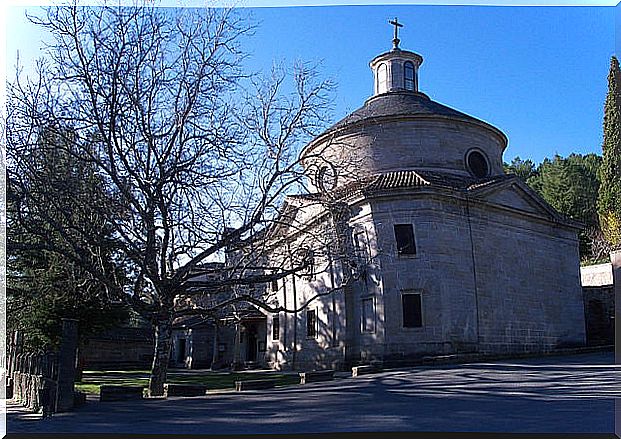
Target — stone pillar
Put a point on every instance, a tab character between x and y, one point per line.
66	365
615	260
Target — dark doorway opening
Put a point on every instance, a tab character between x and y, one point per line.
181	351
251	343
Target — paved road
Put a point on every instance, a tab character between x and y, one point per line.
553	394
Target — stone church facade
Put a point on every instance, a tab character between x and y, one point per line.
451	255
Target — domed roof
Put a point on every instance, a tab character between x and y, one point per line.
403	104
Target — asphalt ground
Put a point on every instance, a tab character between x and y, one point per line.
570	394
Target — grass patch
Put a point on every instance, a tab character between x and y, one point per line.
91	380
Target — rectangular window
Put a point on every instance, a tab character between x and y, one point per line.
275	285
311	323
359	245
276	328
412	310
368	315
404	235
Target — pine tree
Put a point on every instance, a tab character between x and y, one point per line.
44	286
570	185
609	200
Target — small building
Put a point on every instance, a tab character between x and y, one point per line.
235	336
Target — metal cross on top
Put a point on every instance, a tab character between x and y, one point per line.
397	25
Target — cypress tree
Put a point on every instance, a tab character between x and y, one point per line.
609	199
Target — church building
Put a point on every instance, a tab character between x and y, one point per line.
443	253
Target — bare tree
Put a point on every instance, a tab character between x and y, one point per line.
194	156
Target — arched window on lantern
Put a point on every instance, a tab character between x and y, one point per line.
382	77
408	75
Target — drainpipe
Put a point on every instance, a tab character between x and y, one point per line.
285	315
295	323
295	314
474	267
214	353
332	284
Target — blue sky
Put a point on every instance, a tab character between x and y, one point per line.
537	73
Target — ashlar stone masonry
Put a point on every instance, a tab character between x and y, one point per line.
451	254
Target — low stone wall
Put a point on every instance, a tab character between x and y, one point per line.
121	348
26	388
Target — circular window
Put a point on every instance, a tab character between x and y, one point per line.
477	164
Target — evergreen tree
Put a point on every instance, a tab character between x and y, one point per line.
609	200
44	286
524	169
571	185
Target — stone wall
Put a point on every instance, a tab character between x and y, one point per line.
497	272
424	143
198	344
523	296
294	349
596	275
26	389
440	271
122	348
528	281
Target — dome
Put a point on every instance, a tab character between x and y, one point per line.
400	129
403	104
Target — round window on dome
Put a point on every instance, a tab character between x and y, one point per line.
477	164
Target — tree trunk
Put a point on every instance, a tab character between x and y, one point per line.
161	356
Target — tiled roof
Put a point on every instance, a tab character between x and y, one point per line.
397	179
404	180
412	179
425	179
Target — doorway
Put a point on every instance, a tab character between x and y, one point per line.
181	345
251	343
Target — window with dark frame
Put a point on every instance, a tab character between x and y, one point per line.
368	315
276	328
311	323
275	285
408	75
412	310
404	235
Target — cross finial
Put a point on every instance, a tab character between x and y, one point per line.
397	25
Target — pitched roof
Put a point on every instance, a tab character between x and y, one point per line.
419	178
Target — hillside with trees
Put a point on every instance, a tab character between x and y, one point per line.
586	188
